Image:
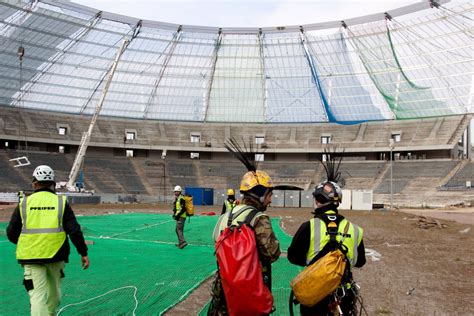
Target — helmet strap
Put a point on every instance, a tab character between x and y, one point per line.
254	197
257	197
262	198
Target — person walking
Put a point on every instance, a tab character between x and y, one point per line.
230	202
312	241
256	187
40	226
179	215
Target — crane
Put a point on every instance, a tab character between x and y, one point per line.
86	136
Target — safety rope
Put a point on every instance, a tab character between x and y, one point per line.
135	290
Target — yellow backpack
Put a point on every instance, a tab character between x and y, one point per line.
188	199
321	278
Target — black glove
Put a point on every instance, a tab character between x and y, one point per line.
174	217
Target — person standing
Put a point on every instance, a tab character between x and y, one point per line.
230	202
313	241
179	215
257	189
40	226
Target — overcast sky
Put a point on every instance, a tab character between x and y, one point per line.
245	13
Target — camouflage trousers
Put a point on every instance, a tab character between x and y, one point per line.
218	306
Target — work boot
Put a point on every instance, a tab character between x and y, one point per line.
183	245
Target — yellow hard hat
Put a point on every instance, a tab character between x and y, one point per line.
253	178
230	192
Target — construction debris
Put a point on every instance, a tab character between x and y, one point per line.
425	222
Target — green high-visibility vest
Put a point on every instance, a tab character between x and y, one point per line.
42	233
320	237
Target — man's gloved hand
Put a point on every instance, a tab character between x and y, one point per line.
174	217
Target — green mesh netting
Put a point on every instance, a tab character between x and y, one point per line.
283	237
404	97
135	267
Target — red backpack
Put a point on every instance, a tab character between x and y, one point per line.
240	269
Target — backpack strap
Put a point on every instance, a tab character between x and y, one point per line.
247	220
250	218
333	231
332	227
346	229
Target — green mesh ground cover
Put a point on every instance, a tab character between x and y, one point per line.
135	267
148	227
283	237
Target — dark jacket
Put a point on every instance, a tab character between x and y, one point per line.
300	244
70	225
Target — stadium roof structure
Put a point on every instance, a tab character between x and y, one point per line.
412	62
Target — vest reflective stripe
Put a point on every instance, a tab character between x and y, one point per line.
222	222
319	238
42	233
315	240
356	238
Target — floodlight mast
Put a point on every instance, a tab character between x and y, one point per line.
86	136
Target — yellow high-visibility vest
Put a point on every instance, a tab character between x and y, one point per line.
319	239
240	212
178	206
42	233
229	206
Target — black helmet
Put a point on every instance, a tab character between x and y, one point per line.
328	192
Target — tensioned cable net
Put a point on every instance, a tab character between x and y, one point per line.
135	267
414	62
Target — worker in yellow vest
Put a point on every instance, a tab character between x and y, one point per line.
179	215
40	226
313	241
230	202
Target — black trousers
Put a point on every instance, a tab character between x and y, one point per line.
324	307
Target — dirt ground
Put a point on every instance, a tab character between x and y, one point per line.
419	262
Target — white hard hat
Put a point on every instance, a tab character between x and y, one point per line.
43	173
177	189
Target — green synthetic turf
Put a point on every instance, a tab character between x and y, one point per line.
135	267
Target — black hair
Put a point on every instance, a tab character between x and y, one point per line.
332	164
244	153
